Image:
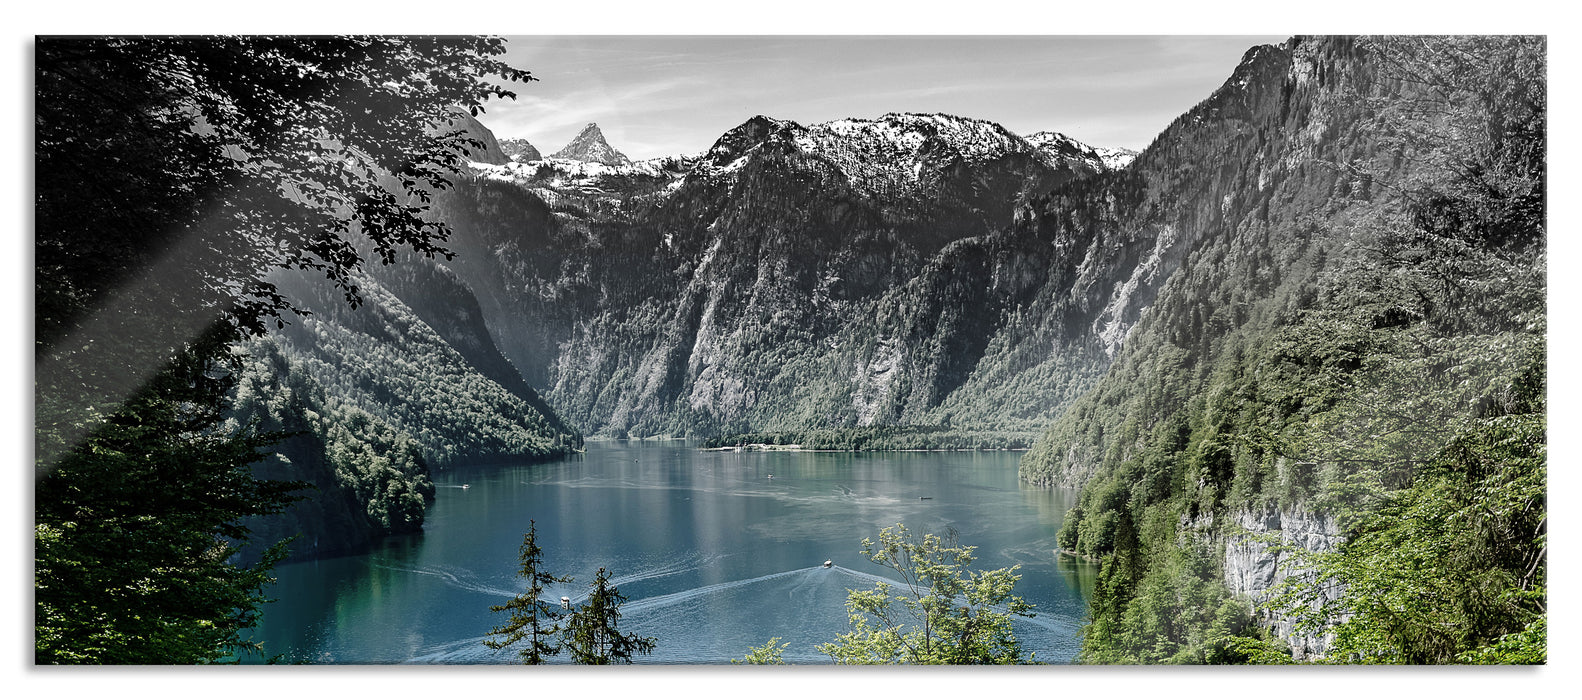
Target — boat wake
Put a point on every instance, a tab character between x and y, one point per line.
462	579
823	589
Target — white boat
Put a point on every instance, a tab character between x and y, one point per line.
828	563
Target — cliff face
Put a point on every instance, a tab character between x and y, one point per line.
1257	561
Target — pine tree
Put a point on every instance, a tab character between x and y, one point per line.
531	618
591	633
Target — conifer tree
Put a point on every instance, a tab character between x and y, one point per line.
592	634
531	618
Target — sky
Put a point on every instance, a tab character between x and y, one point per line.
656	96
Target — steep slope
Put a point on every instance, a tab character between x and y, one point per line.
1356	322
372	399
386	360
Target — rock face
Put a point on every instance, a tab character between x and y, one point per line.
590	147
1254	565
489	152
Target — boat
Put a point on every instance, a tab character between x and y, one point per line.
466	486
828	563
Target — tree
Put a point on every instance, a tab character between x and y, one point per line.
532	619
135	531
947	613
770	654
171	176
592	634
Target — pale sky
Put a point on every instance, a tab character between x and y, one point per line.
667	95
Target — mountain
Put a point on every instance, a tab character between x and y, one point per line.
590	147
519	150
375	399
788	277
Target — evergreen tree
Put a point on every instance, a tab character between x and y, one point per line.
532	619
592	634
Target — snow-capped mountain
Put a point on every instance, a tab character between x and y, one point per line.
1116	158
519	150
898	151
590	147
1061	146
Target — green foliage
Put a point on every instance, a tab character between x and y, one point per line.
770	654
592	634
369	478
532	619
1446	570
133	554
879	438
945	614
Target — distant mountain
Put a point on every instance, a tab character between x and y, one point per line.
519	150
590	147
1116	158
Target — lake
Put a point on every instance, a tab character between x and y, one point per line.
715	552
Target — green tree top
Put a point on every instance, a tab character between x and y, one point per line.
946	613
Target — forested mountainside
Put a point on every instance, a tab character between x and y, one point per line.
1334	409
376	397
372	398
854	273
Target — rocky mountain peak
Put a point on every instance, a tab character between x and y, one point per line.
590	147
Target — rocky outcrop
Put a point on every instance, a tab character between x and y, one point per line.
1258	556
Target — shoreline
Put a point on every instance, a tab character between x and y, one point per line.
765	447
